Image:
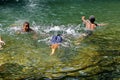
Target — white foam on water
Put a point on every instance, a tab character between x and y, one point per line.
68	32
35	26
71	31
0	25
0	29
54	28
17	25
16	28
31	4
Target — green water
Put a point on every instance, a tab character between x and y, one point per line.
59	12
31	58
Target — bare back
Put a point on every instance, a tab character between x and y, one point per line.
89	25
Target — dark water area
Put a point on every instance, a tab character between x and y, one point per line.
94	58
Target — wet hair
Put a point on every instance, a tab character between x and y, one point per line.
58	34
27	24
92	19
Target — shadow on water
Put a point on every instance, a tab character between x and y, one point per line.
10	70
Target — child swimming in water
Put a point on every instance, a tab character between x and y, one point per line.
55	43
26	28
90	25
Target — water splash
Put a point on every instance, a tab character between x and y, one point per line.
32	3
0	25
45	33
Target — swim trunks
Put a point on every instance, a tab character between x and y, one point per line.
88	32
54	46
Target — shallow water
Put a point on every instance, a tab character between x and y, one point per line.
49	17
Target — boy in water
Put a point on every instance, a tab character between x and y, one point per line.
55	42
1	43
90	25
26	28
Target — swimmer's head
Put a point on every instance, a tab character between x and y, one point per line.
58	34
26	26
92	18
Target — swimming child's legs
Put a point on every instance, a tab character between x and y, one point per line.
89	32
54	47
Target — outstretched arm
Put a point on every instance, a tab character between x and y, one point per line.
102	24
83	19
